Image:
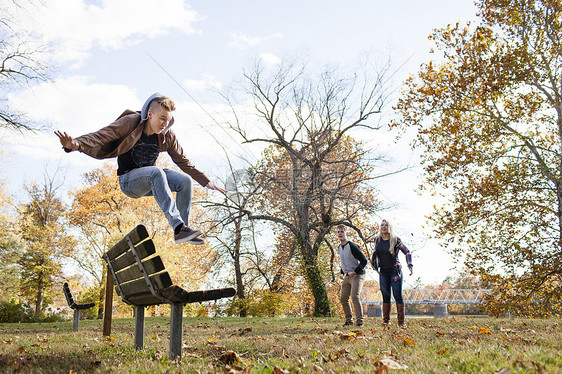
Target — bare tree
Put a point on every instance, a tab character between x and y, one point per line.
313	174
20	64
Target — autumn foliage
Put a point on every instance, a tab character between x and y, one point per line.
489	119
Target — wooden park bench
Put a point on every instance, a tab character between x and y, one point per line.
141	280
74	306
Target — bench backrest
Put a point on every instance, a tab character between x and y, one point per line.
138	275
70	300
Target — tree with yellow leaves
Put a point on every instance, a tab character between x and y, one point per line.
489	117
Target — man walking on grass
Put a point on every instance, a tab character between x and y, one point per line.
353	273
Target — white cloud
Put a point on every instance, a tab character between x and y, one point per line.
74	104
270	59
243	41
73	27
206	81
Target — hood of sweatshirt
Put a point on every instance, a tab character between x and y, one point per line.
144	110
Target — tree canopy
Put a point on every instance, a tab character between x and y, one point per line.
488	112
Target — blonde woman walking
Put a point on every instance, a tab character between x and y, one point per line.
385	262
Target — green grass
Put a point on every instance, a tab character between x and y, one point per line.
306	345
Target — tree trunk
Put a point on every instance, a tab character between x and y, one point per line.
101	305
316	282
559	213
39	300
318	288
238	268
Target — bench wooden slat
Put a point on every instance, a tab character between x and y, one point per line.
152	266
137	235
176	294
144	250
146	299
139	286
70	300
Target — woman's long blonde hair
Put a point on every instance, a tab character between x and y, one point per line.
393	238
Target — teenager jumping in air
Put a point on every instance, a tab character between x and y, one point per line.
136	139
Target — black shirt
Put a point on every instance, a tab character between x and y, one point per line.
386	261
144	153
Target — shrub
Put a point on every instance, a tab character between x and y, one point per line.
14	311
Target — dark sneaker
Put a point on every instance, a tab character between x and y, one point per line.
348	323
360	324
186	234
196	241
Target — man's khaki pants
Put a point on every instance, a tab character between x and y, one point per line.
352	286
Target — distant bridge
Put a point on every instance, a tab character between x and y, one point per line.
440	299
429	296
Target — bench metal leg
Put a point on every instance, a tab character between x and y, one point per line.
76	319
139	327
176	329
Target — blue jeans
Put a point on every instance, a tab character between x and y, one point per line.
386	283
158	182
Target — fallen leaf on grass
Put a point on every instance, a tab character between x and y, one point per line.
234	369
408	341
502	371
346	337
393	364
72	372
229	358
442	351
21	350
278	370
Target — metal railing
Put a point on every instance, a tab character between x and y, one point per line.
430	296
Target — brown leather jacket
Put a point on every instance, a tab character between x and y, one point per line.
120	136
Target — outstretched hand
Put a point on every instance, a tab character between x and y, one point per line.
411	271
66	140
211	186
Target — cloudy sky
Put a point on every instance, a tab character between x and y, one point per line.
110	55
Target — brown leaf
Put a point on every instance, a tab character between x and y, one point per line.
278	370
229	357
380	367
346	337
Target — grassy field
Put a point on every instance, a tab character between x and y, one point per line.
288	345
